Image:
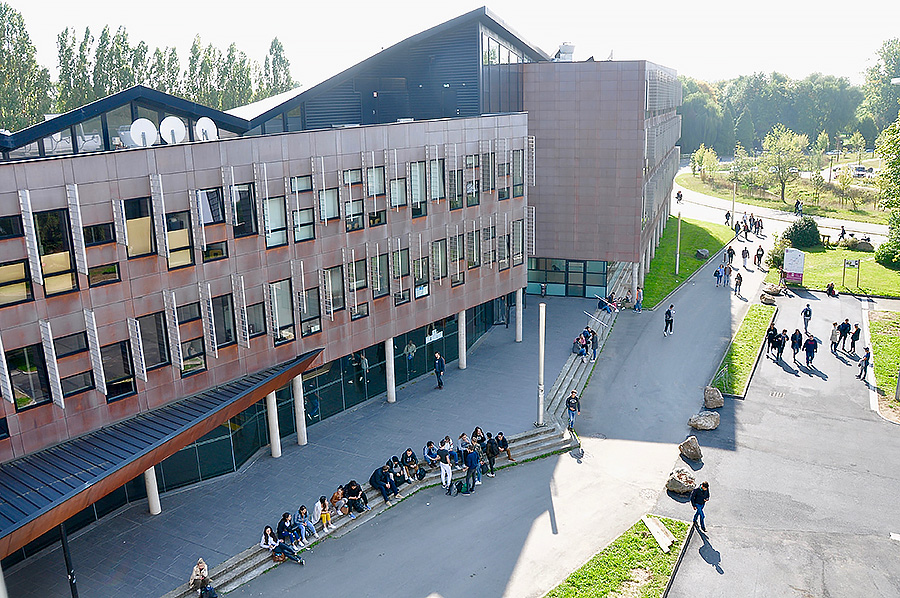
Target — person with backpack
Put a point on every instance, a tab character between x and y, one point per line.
759	256
670	321
198	574
472	466
356	498
573	408
806	312
491	451
207	590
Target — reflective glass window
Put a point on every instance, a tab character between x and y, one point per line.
139	224
55	248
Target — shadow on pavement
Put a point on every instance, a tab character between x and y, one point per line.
710	554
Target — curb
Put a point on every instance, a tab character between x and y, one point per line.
687	540
755	362
691	277
876	407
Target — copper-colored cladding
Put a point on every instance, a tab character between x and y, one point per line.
56	513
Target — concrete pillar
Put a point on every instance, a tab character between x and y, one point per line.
389	369
274	432
461	337
518	315
635	276
299	409
152	493
3	593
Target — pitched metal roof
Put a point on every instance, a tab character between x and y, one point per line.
41	490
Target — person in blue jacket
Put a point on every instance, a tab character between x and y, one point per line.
472	465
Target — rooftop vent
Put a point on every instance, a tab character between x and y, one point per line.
566	50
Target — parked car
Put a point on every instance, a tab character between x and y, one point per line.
859	172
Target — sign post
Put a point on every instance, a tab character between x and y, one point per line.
794	260
850	264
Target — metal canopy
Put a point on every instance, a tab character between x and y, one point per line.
41	490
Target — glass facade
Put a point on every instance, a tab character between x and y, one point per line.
567	278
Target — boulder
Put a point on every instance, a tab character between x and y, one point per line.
771	289
705	420
690	448
766	299
712	398
681	481
864	246
702	254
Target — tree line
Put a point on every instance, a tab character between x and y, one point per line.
92	67
745	109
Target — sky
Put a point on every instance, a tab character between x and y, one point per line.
705	39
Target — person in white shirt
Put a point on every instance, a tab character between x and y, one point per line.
277	547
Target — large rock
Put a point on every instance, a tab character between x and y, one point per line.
864	246
681	481
771	289
712	398
705	420
702	254
690	448
766	299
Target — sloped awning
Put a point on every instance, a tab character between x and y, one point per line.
43	489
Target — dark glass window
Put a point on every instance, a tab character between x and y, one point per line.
518	173
15	283
310	315
212	205
380	275
282	310
223	315
77	383
244	210
4	428
118	370
335	277
353	215
457	187
436	178
421	277
276	222
98	234
28	375
193	355
181	250
154	339
188	312
473	248
215	251
10	227
100	275
256	319
139	226
55	248
71	344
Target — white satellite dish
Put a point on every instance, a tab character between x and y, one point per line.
206	129
172	130
143	133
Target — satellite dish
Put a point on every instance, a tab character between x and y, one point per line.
143	133
206	129
172	130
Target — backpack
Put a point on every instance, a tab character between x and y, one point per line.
209	592
421	473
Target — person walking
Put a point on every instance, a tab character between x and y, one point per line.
835	337
771	335
573	408
727	218
745	254
737	231
796	342
844	328
729	254
854	336
439	367
727	279
699	498
781	343
639	300
670	321
718	274
810	347
738	279
806	312
864	365
759	256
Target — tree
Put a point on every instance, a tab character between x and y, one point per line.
165	71
803	232
818	184
744	133
276	76
783	155
24	84
858	143
888	149
73	88
817	153
888	253
709	163
868	130
101	73
881	99
235	79
200	77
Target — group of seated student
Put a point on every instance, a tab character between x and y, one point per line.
294	532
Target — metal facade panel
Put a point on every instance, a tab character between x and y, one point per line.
240	304
77	228
172	329
209	320
137	349
90	325
158	202
5	382
56	391
31	243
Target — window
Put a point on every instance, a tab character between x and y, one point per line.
377	218
472	161
28	374
456	255
276	233
488	249
400	264
11	227
359	310
357	275
353	210
310	314
518	173
487	171
421	277
304	225
55	248
244	212
299	184
503	251
223	315
353	176
256	319
398	193
106	274
329	204
380	275
439	255
456	189
436	178
98	234
417	182
517	245
473	248
118	370
71	344
282	311
4	428
181	251
335	279
154	339
77	383
139	226
212	205
472	190
188	312
193	355
375	179
215	251
15	283
401	296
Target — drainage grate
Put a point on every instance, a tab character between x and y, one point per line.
777	394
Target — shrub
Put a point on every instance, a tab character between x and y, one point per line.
803	232
888	253
849	243
775	259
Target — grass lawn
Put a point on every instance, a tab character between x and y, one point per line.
695	234
828	206
741	355
633	565
884	328
824	265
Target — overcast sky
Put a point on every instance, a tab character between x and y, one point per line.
705	39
